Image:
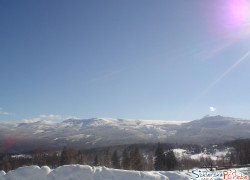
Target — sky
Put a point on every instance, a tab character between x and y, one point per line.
143	59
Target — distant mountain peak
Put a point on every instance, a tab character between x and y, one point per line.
216	118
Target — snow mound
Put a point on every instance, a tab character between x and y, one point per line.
2	173
27	173
84	172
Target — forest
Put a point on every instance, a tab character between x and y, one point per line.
143	157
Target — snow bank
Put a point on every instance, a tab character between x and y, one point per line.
27	173
2	173
84	172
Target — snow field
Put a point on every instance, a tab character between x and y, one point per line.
85	172
180	153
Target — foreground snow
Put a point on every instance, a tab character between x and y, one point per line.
84	172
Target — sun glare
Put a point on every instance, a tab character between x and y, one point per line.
239	14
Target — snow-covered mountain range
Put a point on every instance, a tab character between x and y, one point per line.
87	133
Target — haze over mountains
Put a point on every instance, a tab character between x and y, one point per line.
95	132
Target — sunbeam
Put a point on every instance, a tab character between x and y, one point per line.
205	91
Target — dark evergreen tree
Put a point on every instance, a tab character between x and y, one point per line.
96	161
82	158
5	164
64	157
107	159
38	157
159	163
68	156
150	163
115	160
240	154
53	159
137	160
125	160
170	160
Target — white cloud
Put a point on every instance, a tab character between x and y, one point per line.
212	109
30	120
50	116
72	117
42	117
5	113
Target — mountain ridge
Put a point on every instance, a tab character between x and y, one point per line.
94	132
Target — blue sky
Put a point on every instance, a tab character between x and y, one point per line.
168	60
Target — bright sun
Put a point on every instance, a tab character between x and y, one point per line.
239	13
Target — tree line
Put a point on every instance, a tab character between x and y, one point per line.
161	159
129	159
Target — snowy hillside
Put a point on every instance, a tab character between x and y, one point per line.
84	172
218	154
87	133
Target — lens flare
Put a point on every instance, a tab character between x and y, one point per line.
238	14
